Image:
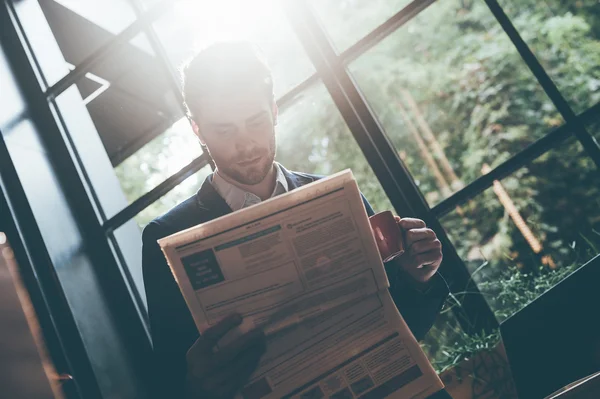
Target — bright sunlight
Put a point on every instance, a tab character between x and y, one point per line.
225	20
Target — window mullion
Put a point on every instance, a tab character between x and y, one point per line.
575	124
382	157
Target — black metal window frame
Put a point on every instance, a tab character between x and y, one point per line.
392	173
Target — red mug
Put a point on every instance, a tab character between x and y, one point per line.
388	235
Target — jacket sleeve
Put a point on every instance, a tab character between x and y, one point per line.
171	324
418	306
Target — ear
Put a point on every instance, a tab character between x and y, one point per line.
275	112
197	131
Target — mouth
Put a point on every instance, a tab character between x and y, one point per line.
249	162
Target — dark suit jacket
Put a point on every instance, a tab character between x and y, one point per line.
172	326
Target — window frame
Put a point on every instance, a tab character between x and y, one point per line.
363	123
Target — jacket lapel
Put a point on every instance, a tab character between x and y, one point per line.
295	179
209	200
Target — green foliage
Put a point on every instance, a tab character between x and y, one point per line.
312	137
347	21
157	160
174	197
510	291
480	100
513	290
516	289
464	348
483	105
566	42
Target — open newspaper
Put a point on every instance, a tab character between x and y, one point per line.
305	267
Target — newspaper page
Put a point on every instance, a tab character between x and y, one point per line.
304	266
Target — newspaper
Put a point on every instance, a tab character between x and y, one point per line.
304	266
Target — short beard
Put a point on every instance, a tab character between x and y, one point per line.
254	174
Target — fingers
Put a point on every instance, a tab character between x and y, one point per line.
254	341
215	333
198	349
427	258
425	246
211	336
423	265
418	234
223	374
424	250
410	223
424	273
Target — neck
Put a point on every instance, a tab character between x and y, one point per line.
262	190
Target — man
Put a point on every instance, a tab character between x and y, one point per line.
228	91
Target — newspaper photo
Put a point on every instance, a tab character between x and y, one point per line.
304	267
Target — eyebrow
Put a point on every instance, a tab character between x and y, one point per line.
221	125
248	120
256	116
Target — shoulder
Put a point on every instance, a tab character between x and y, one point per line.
184	215
179	213
307	176
299	179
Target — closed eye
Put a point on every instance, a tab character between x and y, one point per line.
258	121
223	131
257	124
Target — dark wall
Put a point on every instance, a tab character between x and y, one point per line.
103	337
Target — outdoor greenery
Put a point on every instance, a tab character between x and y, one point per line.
512	289
158	159
456	100
482	105
348	21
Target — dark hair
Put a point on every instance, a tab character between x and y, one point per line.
223	67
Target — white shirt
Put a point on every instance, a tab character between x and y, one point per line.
238	198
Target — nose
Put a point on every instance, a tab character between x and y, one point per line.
244	139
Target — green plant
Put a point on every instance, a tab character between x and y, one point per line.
509	292
463	349
515	289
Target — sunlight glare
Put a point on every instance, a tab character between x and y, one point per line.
181	148
213	20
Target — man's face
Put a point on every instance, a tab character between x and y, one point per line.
238	130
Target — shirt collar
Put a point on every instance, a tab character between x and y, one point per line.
238	198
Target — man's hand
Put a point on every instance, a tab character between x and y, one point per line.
223	373
423	250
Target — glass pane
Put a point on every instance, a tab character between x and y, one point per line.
312	137
445	335
180	193
192	25
148	4
129	235
530	230
140	125
80	27
594	128
453	94
159	159
347	21
129	241
565	37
